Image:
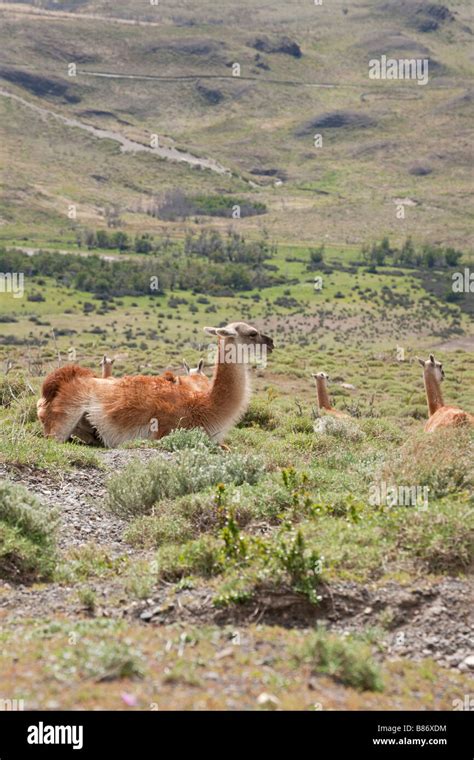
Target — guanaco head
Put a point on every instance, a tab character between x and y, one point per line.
106	365
194	370
432	368
320	376
240	333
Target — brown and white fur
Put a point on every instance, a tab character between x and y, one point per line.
151	407
324	402
194	376
439	414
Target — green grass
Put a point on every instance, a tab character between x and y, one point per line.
326	496
346	660
99	661
67	663
86	562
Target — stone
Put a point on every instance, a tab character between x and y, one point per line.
469	662
267	700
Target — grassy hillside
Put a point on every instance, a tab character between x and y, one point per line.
383	141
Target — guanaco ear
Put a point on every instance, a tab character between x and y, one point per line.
432	359
421	361
200	365
210	330
226	332
186	366
112	361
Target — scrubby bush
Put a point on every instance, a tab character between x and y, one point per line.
283	495
339	428
440	538
249	561
187	439
259	414
135	490
441	461
188	516
13	387
105	660
346	660
200	557
27	535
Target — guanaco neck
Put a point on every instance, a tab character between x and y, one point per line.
433	392
323	395
230	386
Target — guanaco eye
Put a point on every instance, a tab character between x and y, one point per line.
253	334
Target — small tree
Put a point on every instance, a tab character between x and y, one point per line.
120	241
452	257
103	239
316	256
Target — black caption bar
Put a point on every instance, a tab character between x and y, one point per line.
373	734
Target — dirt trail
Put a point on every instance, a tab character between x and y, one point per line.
42	14
126	145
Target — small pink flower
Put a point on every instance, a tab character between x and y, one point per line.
129	699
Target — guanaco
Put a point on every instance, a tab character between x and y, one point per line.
106	366
324	402
149	407
440	415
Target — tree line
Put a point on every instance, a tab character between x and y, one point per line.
207	263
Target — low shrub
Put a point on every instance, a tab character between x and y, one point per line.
27	536
346	660
139	487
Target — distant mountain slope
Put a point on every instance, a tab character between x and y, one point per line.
303	71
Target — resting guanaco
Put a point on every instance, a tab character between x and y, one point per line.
439	414
151	407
